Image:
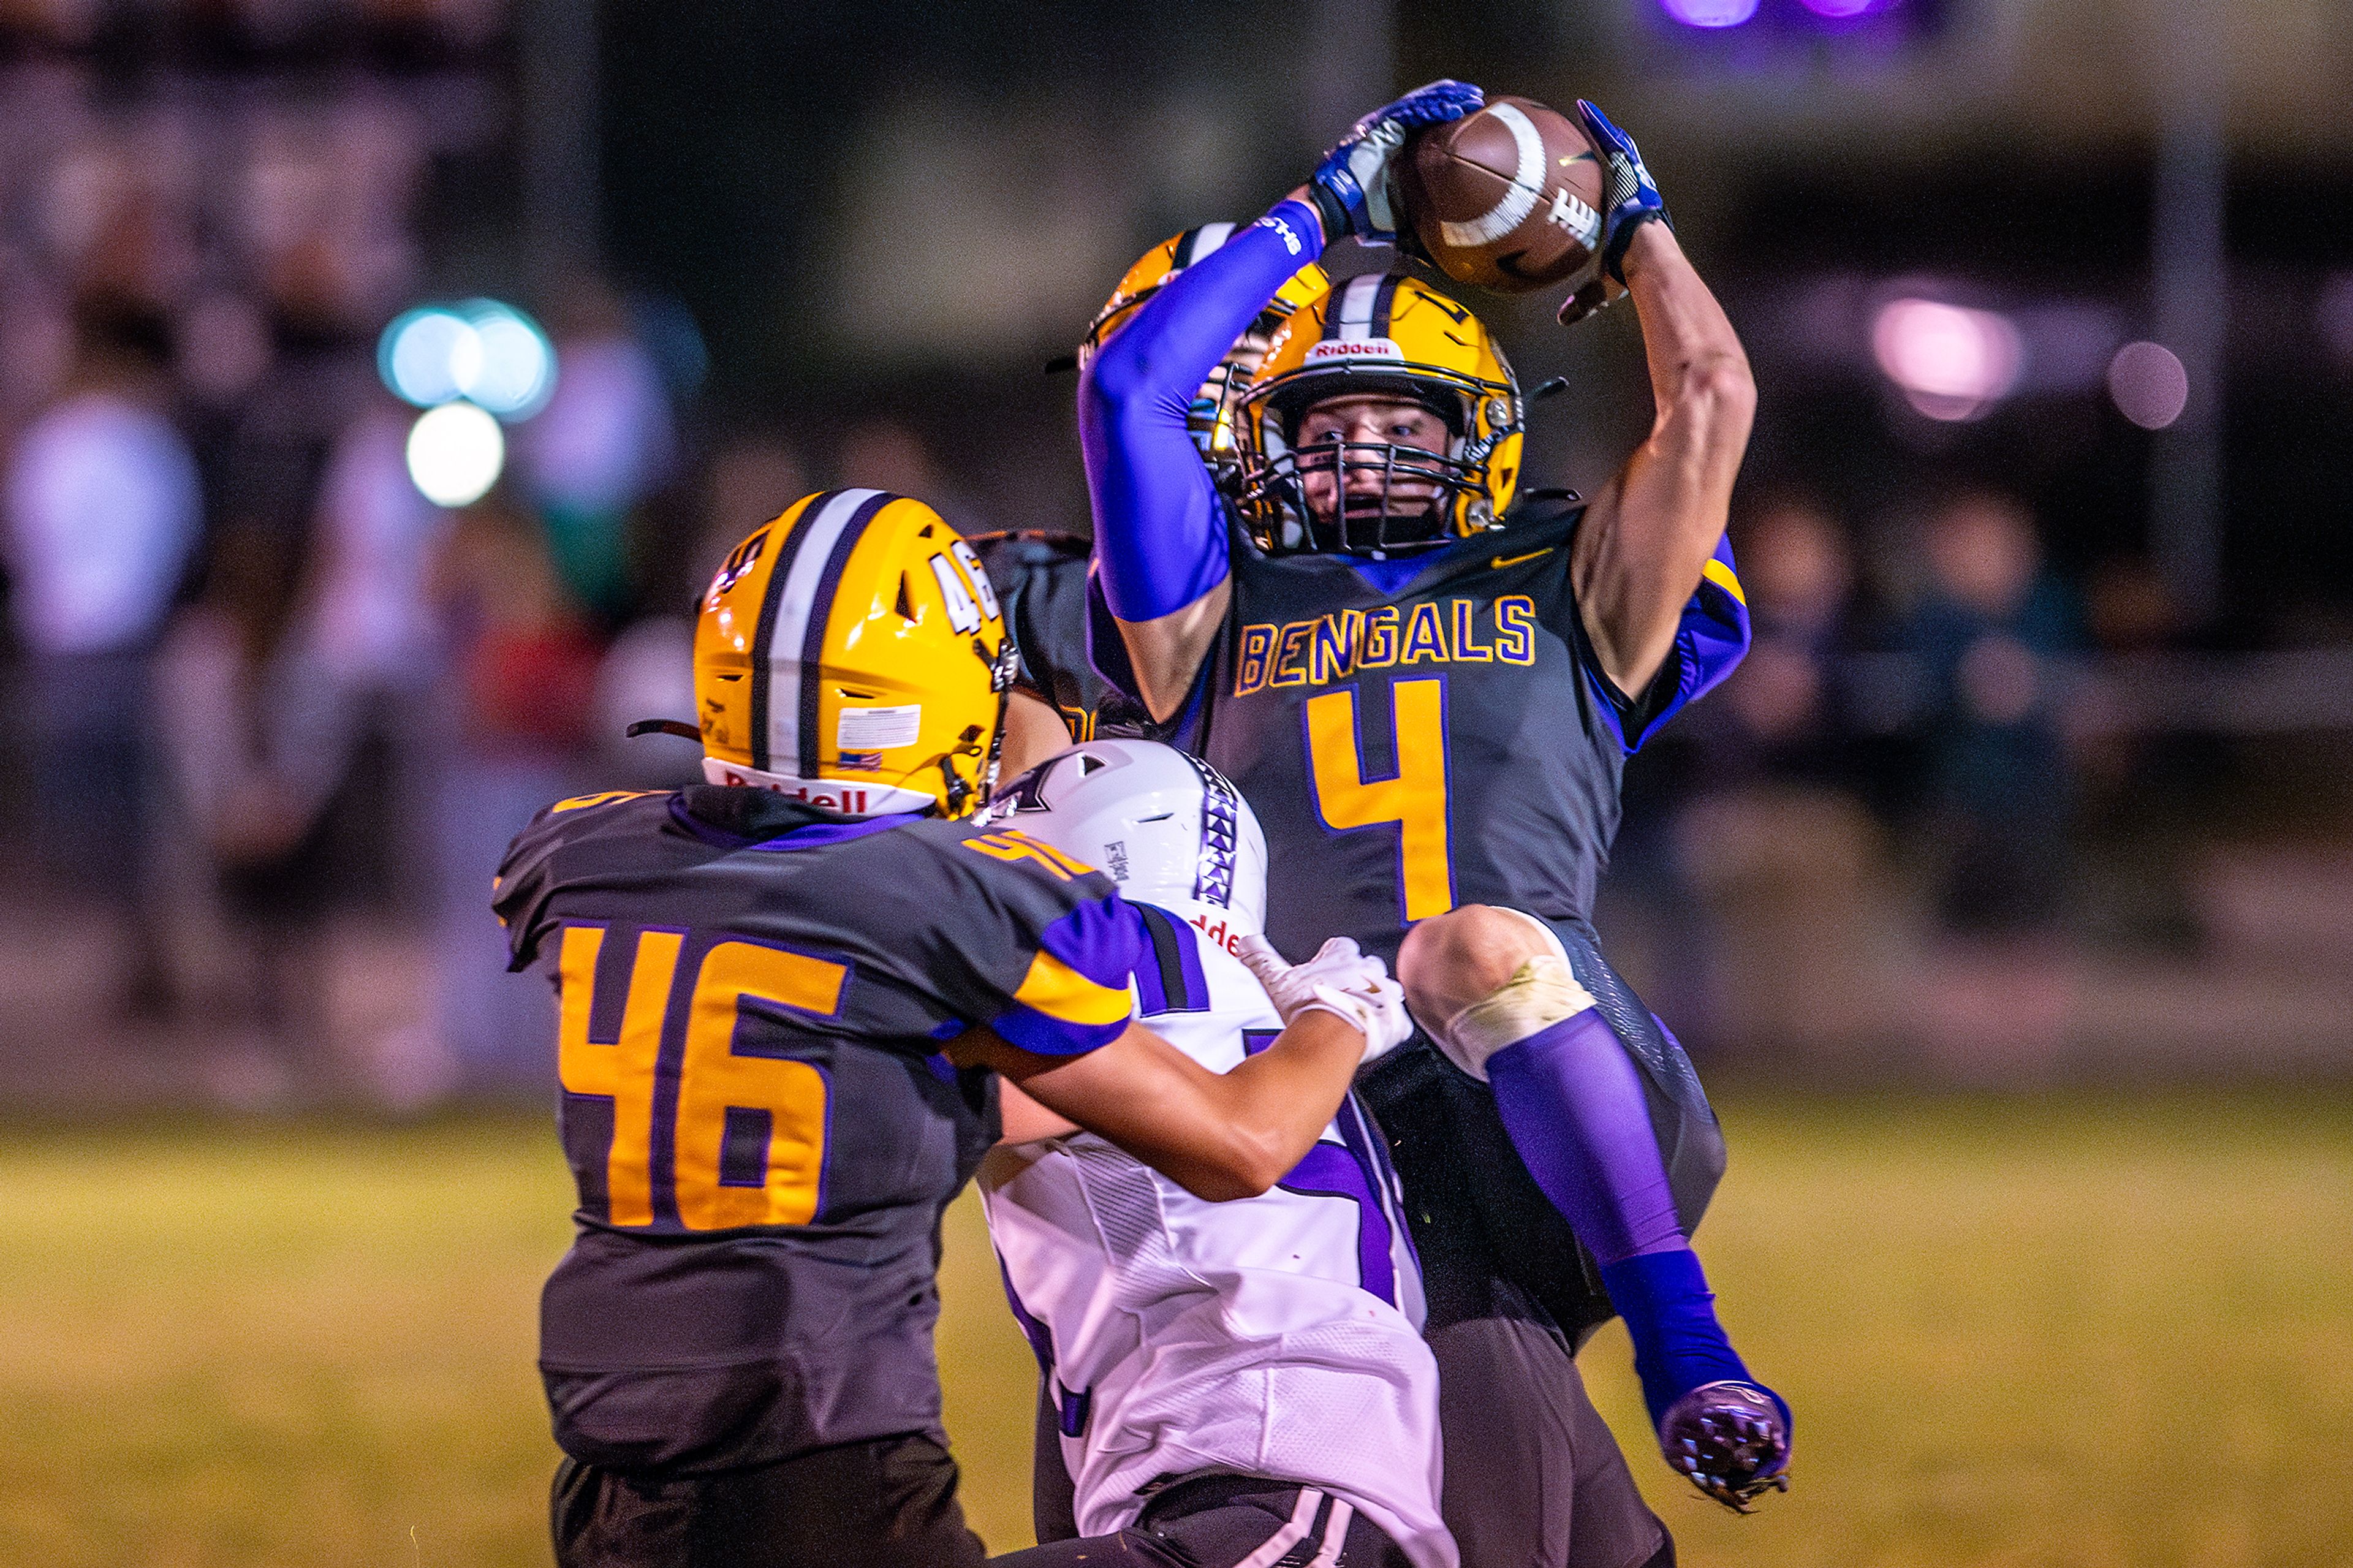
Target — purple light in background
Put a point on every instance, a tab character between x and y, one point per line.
1846	10
2149	385
1709	13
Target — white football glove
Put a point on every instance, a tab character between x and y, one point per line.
1341	979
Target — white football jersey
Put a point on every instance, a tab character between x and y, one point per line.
1275	1336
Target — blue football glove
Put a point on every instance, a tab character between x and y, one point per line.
1630	197
1351	185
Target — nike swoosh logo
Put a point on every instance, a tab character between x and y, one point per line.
1502	561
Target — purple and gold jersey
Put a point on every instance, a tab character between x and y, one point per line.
753	995
1434	731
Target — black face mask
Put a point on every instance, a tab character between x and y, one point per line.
1408	509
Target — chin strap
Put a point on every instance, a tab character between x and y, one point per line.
1003	664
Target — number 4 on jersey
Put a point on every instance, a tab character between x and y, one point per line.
1415	799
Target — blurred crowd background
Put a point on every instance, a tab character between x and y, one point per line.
2038	771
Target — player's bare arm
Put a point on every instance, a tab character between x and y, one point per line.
1219	1136
1034	731
1647	535
1167	652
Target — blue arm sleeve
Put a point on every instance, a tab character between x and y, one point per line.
1160	541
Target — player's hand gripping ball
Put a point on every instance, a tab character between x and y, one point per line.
1352	187
1352	985
1630	199
1509	198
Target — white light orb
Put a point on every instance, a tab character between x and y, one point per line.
1951	363
515	371
424	354
455	453
1709	13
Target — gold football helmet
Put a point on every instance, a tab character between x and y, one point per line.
1211	418
852	654
1381	335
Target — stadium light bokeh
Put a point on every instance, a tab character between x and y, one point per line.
489	353
468	366
455	454
1949	362
2149	384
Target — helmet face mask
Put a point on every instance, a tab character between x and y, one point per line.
1427	351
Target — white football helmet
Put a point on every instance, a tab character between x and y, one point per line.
1167	827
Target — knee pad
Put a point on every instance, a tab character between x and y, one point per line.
1541	993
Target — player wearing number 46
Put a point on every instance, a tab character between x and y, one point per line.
782	995
1427	681
1231	1383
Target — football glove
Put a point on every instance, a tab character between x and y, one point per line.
1341	979
1350	187
1732	1439
1629	198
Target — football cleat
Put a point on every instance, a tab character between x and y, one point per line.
1732	1439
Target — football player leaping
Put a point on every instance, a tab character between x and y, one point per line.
757	979
1428	694
1233	1383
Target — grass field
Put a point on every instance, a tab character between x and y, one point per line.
2077	1331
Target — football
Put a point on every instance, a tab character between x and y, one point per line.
1508	198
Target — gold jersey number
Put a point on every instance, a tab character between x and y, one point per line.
712	1079
1414	800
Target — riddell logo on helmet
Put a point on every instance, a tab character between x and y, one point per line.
1220	933
847	798
1362	348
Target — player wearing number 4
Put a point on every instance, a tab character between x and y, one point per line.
1428	693
1234	1383
781	994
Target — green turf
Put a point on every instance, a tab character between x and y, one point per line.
2083	1333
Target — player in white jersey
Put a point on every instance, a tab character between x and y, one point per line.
1238	1384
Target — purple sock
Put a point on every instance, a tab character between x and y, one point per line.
1671	1314
1571	1100
1573	1104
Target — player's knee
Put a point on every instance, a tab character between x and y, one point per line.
1480	978
1451	961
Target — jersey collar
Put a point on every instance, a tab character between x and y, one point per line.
740	818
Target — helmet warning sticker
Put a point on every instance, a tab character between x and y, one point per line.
879	729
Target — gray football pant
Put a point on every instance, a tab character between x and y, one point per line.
1513	1409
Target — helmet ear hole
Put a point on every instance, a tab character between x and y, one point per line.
906	604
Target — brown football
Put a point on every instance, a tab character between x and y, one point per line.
1508	198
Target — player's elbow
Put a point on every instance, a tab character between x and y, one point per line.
1241	1165
1122	406
1719	389
1118	377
